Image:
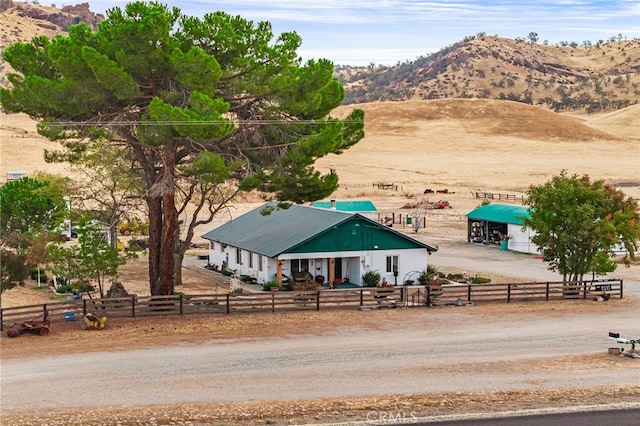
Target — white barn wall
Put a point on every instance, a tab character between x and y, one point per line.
521	239
410	260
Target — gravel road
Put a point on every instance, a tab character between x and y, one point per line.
479	353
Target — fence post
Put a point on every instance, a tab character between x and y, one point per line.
621	288
318	300
427	289
273	301
1	319
181	304
84	306
509	293
361	296
584	289
133	306
546	296
228	301
468	292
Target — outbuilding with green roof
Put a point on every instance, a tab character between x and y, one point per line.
501	224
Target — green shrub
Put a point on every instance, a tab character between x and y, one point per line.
226	272
428	274
480	280
269	285
371	278
455	277
33	273
63	289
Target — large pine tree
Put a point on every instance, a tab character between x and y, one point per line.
213	99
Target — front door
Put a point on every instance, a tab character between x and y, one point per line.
337	268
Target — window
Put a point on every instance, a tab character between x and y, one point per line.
250	260
392	263
238	256
260	262
212	245
300	265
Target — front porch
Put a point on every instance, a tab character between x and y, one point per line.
326	271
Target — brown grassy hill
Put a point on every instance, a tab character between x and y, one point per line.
624	122
482	145
484	118
457	143
603	76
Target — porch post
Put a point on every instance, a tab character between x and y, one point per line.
332	270
279	272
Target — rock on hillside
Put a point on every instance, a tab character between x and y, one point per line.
21	22
52	18
598	77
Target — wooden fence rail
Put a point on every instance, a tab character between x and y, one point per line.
363	298
499	196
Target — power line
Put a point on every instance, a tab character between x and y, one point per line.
194	123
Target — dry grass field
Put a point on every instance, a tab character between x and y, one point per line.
461	145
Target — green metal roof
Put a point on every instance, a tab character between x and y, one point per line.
353	206
503	213
285	230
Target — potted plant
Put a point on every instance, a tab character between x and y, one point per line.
435	291
271	286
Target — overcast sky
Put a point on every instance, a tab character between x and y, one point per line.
360	32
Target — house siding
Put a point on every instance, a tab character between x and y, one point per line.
354	263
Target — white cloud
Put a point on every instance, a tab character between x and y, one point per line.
388	31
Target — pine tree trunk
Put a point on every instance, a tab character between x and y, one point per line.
163	223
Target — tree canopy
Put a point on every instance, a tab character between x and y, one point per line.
206	100
31	213
578	222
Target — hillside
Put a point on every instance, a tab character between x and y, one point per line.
465	145
593	77
21	22
599	77
455	143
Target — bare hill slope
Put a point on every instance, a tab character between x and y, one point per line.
465	145
624	122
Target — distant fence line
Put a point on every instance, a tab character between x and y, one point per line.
499	196
362	298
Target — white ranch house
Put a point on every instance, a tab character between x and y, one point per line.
327	245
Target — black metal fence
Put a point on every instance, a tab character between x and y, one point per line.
362	298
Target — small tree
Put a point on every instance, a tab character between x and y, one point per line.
533	37
91	262
578	222
31	212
